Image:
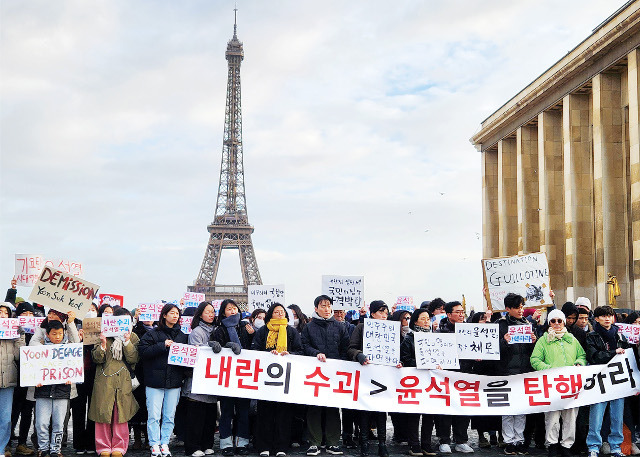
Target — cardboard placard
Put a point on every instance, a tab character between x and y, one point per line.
436	349
381	341
63	292
478	341
91	327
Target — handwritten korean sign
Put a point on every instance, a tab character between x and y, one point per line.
51	364
9	329
28	268
478	341
405	302
263	296
149	311
520	334
30	323
185	324
347	292
63	292
91	327
115	325
192	299
631	331
436	349
381	341
183	355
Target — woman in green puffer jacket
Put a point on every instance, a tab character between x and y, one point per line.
558	348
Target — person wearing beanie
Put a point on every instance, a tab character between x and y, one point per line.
68	322
558	348
571	314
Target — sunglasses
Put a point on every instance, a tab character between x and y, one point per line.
555	321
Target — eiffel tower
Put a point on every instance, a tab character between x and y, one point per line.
230	228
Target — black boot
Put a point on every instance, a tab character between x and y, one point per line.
553	450
382	449
564	451
364	448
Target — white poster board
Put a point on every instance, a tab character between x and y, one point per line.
631	331
185	324
526	275
28	268
478	341
51	364
30	323
115	325
263	296
9	329
436	349
347	292
183	355
405	302
192	300
381	341
63	292
149	312
520	334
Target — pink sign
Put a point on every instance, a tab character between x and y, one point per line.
28	268
111	300
8	328
30	323
183	355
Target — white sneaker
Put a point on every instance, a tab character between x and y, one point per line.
198	453
464	447
635	450
155	451
605	449
164	449
264	454
209	452
444	449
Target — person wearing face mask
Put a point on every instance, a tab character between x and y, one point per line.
558	348
257	318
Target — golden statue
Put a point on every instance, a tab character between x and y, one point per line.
613	289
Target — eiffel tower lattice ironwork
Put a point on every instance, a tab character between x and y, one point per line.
230	228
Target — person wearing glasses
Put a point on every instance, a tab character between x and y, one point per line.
558	348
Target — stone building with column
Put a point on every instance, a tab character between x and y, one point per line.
561	167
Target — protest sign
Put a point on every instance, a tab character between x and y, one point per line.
381	341
631	331
63	292
111	300
91	327
263	296
436	350
51	364
438	317
30	323
520	334
68	266
478	341
191	300
341	384
183	355
347	292
9	329
115	325
185	324
149	312
216	305
405	303
526	275
28	268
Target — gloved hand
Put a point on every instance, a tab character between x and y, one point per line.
361	358
215	346
235	347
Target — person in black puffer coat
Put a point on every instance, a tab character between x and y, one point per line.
163	381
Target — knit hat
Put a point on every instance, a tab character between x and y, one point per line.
556	314
569	308
583	301
60	314
376	306
19	300
24	307
7	305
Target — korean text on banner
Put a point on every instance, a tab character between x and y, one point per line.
185	324
381	341
28	268
115	325
631	331
149	312
341	384
436	350
63	292
520	334
478	341
111	300
263	296
405	302
347	292
526	275
30	323
91	327
192	299
183	355
9	329
51	364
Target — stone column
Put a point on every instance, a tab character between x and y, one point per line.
490	211
528	200
633	78
507	197
551	190
609	167
578	198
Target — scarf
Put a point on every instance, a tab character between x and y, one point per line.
417	328
553	335
515	321
116	347
230	324
277	337
609	336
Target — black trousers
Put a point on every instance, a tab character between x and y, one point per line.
274	426
459	424
349	418
422	439
84	429
399	421
201	425
381	425
23	409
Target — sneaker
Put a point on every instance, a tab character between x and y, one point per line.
427	450
483	442
521	449
605	449
164	450
22	449
78	451
313	450
415	450
464	448
593	454
281	454
264	454
510	449
155	451
242	450
209	452
198	453
333	450
444	448
635	450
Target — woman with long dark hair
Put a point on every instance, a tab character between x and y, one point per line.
299	318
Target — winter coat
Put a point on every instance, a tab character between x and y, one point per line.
70	330
355	343
31	392
221	335
11	296
112	384
199	336
408	351
563	352
294	342
154	353
597	351
514	358
325	336
580	335
54	391
446	326
140	330
9	361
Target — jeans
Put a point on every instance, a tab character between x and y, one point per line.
50	411
230	408
596	413
6	401
161	404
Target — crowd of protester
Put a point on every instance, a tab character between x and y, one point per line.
108	406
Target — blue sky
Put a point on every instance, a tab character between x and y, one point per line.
356	125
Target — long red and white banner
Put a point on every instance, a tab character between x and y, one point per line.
305	380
